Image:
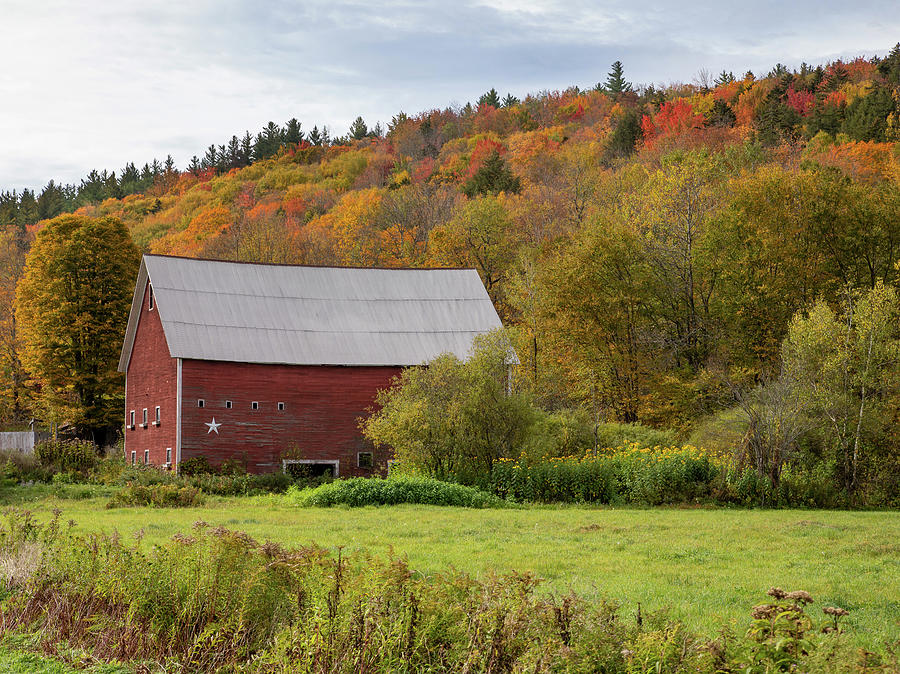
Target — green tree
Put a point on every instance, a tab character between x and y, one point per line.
359	130
72	305
625	135
480	234
866	117
615	80
492	177
847	368
596	313
491	98
292	132
455	418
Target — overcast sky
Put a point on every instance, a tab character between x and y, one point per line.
95	84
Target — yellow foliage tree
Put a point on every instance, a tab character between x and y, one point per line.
72	306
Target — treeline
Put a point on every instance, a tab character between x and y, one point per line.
19	209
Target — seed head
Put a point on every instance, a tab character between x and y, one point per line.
836	611
801	596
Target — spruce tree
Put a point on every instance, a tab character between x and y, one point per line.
234	153
491	98
493	177
292	133
194	166
615	80
247	149
724	78
315	137
358	130
210	158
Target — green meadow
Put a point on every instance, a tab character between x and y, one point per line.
707	567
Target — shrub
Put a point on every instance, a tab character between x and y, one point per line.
158	496
611	435
20	467
195	466
363	491
67	455
630	474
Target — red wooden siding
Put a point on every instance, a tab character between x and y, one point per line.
320	419
151	380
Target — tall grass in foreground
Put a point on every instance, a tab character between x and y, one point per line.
218	600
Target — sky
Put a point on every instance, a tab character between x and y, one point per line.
94	84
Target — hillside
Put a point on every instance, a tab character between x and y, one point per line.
648	246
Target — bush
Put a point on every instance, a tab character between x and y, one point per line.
20	467
612	435
67	455
630	474
196	465
158	496
560	433
812	488
364	491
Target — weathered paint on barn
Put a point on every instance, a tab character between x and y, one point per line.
150	381
320	419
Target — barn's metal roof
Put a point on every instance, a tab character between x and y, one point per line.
259	313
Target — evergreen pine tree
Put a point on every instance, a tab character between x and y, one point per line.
234	153
51	202
625	135
509	100
247	149
358	130
493	177
194	166
292	133
724	78
210	158
491	98
615	80
315	137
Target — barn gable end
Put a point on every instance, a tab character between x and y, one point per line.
150	382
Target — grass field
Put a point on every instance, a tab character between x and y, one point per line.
708	566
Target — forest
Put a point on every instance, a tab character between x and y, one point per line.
717	260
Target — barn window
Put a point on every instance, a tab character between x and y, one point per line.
200	402
364	459
169	455
307	468
146	457
133	457
227	404
158	416
150	293
281	407
131	419
254	405
144	422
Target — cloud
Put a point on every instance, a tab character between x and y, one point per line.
96	84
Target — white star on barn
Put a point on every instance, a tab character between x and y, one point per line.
213	427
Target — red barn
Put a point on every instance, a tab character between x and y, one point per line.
269	365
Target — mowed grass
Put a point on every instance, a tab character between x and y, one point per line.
707	566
